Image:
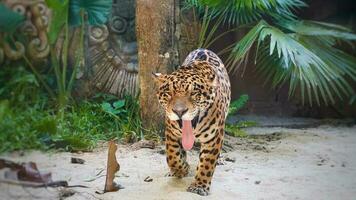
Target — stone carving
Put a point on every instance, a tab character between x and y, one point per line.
112	55
111	51
34	29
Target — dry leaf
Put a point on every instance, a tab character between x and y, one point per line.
112	167
24	172
28	175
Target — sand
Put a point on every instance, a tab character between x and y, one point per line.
274	163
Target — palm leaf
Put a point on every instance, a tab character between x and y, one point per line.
247	11
317	70
313	28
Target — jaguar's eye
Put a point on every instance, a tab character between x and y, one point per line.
195	95
166	94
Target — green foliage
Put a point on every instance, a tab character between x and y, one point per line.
29	121
59	19
236	12
236	129
238	104
352	100
98	11
82	127
126	113
9	20
19	86
17	128
309	63
304	54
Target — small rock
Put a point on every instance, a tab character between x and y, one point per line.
65	193
162	151
77	160
144	144
220	162
148	179
230	159
257	182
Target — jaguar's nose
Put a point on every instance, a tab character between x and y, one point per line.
180	111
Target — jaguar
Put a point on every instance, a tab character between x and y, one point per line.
196	99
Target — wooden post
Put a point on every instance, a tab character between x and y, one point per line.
157	52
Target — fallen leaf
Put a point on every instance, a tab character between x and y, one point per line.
27	172
112	167
28	175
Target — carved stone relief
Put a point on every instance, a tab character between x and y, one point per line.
111	50
112	54
34	29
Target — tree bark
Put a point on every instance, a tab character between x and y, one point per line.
157	52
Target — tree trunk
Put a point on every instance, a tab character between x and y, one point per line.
157	52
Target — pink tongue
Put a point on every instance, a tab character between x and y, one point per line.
187	135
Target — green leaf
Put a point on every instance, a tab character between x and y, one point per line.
119	104
9	20
107	107
98	11
59	19
313	28
4	108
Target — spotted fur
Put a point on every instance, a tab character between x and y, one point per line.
199	91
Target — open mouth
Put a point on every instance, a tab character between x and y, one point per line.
194	121
188	136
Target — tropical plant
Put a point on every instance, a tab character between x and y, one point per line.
9	22
235	129
238	104
283	47
65	14
82	127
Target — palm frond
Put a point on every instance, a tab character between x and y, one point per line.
314	28
317	70
246	11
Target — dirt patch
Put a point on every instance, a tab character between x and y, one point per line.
262	142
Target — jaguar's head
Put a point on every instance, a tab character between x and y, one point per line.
186	92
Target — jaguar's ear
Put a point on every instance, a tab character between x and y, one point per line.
213	80
158	77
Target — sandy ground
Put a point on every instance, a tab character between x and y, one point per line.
274	163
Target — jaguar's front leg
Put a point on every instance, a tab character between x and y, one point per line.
176	156
209	154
